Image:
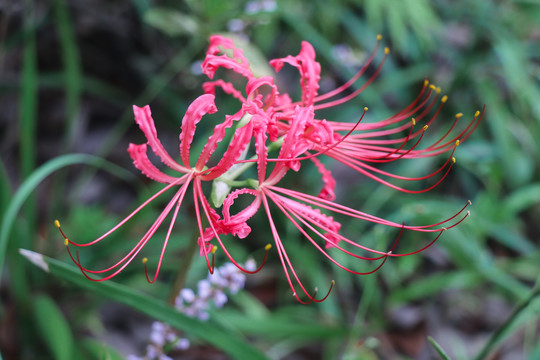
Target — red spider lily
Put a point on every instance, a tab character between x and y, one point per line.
357	145
266	115
307	213
187	174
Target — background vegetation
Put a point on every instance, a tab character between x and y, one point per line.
69	73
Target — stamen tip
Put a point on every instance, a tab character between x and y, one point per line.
469	201
214	249
453	160
458	115
66	241
366	109
379	37
268	247
476	113
426	82
444	229
387	50
432	87
144	260
57	223
333	282
458	142
438	90
413	121
444	99
425	127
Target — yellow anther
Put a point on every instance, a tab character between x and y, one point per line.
214	249
379	37
366	109
438	90
457	143
444	98
333	282
387	50
453	160
426	82
413	121
470	203
144	260
425	127
268	247
66	242
476	113
458	115
57	223
432	87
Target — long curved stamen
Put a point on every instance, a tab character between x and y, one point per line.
285	261
344	210
418	103
167	237
243	269
463	135
153	197
128	258
365	169
357	76
318	247
389	152
359	90
211	266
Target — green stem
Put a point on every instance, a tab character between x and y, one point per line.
181	275
497	336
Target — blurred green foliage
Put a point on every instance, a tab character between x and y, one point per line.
479	52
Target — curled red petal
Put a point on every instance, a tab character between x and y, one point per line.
202	105
143	117
310	71
141	162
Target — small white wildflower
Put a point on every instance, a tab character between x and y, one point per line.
182	344
157	336
220	298
187	295
204	288
236	25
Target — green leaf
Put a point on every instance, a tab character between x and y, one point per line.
438	348
54	328
209	331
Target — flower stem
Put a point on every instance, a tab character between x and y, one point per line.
181	275
498	335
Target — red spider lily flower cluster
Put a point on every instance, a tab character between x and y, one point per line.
269	120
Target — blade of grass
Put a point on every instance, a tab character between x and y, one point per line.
502	332
55	330
30	184
207	331
438	348
72	68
